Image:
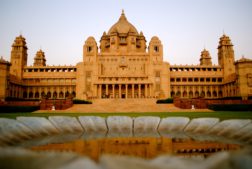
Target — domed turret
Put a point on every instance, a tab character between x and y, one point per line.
226	56
18	56
39	59
122	38
205	58
90	49
122	26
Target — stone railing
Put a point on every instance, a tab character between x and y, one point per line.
201	103
56	104
22	129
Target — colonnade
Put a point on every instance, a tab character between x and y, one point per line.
197	91
124	91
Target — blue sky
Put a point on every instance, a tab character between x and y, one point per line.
185	27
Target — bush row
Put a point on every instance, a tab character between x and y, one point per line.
228	98
77	101
19	99
230	107
14	109
165	101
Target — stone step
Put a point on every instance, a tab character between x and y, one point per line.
123	105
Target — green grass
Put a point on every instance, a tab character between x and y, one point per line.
219	114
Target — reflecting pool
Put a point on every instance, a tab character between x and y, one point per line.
144	147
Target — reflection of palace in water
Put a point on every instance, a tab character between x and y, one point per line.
140	147
125	66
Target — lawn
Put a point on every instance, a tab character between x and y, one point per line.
223	115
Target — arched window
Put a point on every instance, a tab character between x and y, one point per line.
214	93
61	95
184	94
49	95
197	94
178	94
190	94
208	94
67	94
156	48
25	94
73	94
43	94
31	95
202	94
37	95
55	94
172	94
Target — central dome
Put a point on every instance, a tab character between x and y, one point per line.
122	26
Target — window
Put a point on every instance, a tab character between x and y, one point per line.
89	48
123	40
88	73
156	48
157	87
157	73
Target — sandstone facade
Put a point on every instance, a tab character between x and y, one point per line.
123	66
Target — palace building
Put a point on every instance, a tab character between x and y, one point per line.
125	66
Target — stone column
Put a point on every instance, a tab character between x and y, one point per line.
126	91
150	90
120	91
100	91
145	90
181	92
211	91
64	90
139	90
106	90
193	90
113	90
133	91
187	91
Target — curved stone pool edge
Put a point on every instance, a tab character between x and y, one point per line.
26	128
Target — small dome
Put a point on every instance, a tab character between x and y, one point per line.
90	38
122	26
155	38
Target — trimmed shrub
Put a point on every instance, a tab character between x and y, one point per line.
165	101
77	101
230	107
227	98
15	109
19	99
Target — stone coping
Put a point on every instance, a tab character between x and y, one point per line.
25	128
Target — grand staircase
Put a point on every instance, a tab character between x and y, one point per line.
123	105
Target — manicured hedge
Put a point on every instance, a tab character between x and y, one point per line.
13	109
77	101
230	107
165	101
228	98
19	99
